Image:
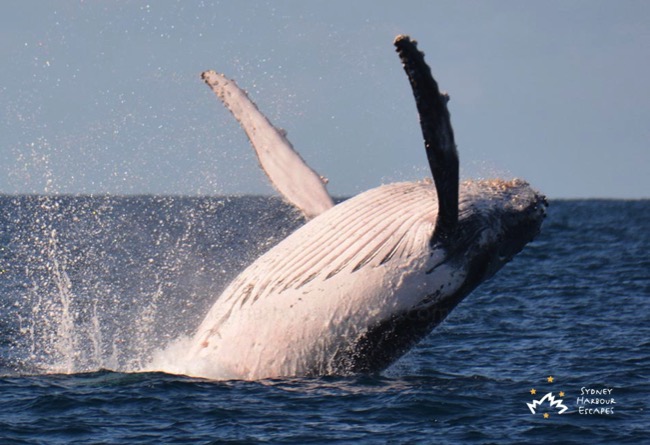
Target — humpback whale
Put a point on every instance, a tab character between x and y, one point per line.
363	281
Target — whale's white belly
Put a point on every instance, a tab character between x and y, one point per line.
326	284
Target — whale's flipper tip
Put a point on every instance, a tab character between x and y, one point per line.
208	75
216	81
402	38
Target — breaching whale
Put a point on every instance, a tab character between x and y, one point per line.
363	281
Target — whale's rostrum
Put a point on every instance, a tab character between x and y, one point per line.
363	281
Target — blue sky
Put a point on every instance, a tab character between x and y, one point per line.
105	97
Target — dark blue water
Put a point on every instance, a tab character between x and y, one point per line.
91	287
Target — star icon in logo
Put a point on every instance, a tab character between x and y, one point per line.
533	391
547	415
550	379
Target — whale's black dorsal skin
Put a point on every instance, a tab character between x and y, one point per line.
438	135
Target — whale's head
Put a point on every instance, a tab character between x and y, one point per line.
496	219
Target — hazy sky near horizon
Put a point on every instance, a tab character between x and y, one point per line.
105	97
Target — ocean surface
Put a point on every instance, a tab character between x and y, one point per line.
91	287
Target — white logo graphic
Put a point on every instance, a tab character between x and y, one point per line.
551	399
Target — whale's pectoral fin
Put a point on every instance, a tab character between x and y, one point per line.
438	135
287	171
